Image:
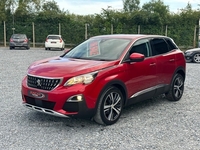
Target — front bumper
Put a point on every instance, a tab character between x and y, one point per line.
60	101
188	57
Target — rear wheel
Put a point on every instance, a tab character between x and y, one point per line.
196	58
109	107
176	88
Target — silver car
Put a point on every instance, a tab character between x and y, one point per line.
19	40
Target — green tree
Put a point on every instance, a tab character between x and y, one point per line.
131	5
156	11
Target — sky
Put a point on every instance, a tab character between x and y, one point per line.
87	7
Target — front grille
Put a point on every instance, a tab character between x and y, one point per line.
42	83
39	103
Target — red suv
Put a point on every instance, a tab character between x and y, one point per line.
102	75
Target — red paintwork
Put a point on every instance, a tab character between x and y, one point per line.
136	76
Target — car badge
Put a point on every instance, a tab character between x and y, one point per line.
38	82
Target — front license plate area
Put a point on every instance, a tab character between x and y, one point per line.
38	103
38	95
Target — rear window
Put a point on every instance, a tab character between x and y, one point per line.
53	37
18	36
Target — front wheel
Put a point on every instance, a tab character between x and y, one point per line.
176	88
109	107
196	58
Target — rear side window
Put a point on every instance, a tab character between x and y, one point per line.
159	46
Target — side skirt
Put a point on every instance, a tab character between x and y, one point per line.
147	94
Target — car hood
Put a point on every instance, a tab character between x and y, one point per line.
67	67
193	50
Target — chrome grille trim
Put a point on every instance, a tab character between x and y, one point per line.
44	110
43	83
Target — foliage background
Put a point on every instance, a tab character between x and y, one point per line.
46	17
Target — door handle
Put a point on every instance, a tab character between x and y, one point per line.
152	64
171	60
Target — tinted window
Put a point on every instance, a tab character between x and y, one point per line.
171	44
142	47
159	46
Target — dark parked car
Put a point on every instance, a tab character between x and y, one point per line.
193	55
19	40
102	75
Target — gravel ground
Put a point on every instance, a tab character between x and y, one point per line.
150	125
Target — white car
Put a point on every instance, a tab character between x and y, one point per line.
54	42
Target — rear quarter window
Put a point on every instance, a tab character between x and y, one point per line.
171	44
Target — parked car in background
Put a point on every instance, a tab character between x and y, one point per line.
193	55
102	75
19	40
54	42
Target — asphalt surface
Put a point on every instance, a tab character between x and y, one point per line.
155	124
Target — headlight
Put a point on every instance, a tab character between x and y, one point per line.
84	79
188	53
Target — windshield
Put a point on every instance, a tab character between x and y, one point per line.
99	49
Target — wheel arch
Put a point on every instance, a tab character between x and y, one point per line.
115	83
181	71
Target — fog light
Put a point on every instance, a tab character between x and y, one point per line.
79	98
75	98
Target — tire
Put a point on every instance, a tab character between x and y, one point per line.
11	48
110	106
46	48
27	48
196	58
176	88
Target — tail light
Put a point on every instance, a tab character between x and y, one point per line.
46	39
11	40
25	40
60	40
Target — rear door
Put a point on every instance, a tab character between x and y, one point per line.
165	58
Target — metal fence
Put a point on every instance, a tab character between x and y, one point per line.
74	34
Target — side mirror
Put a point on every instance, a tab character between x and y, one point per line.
136	57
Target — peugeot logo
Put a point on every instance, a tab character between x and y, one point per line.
38	82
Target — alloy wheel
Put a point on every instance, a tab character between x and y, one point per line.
112	106
196	58
178	87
